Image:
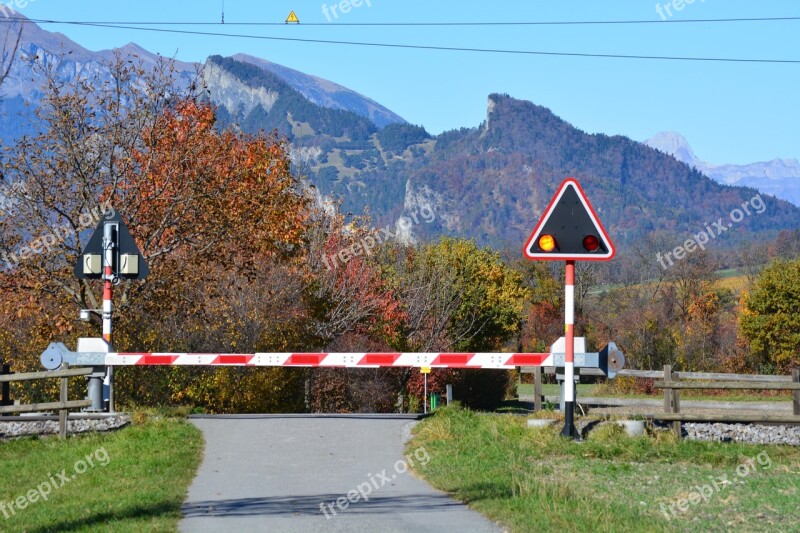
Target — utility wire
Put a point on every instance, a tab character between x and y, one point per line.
429	47
367	24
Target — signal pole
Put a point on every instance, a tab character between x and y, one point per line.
569	352
110	244
570	231
110	255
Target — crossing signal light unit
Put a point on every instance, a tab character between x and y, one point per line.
570	229
127	261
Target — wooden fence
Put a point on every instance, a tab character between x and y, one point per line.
673	383
659	375
62	406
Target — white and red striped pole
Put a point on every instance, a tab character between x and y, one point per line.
569	352
110	232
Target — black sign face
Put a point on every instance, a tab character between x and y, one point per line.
569	229
127	260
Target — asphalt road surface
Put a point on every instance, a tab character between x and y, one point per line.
295	473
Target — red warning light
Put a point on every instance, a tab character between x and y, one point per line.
591	243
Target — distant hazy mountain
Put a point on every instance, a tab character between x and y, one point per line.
39	45
21	92
779	177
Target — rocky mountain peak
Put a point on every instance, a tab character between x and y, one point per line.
674	144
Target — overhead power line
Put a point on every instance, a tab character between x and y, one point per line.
367	24
423	47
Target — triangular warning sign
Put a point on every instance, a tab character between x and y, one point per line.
292	18
569	229
125	252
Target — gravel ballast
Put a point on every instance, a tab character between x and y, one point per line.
746	433
721	432
22	428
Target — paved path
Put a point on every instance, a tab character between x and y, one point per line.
276	473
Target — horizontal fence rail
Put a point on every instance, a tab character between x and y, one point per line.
729	418
672	400
62	406
659	374
728	385
33	376
49	406
673	382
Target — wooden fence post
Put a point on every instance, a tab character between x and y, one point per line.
667	390
62	414
5	387
672	399
796	393
537	388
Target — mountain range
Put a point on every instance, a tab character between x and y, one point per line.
488	182
73	60
779	177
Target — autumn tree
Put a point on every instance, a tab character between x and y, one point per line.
218	215
87	130
695	302
458	297
544	308
69	172
220	212
770	317
638	313
349	293
354	308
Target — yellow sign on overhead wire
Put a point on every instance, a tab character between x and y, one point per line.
292	18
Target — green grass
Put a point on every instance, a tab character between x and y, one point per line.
148	468
534	480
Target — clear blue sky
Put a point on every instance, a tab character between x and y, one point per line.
730	112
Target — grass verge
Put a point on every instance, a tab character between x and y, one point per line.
533	480
132	480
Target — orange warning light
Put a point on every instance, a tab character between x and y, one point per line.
547	243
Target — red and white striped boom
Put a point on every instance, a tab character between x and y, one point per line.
95	352
335	360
